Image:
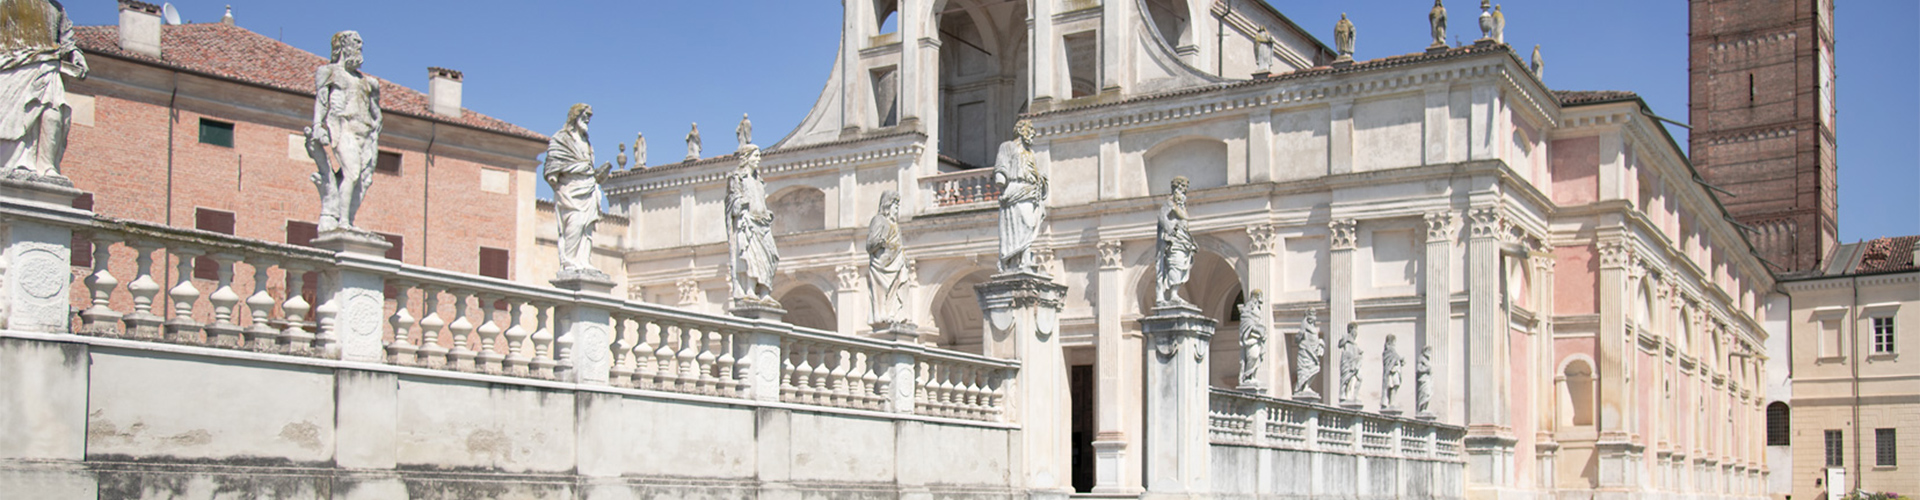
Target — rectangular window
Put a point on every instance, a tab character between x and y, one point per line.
216	132
388	162
1834	449
1883	335
1883	448
399	250
213	221
1083	63
302	233
494	263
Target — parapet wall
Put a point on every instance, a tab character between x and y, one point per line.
97	417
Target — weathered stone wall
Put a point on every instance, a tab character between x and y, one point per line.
1246	472
108	418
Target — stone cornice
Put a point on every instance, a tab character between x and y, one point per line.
863	156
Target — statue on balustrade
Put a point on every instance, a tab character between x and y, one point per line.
750	224
1391	364
576	192
1023	200
1176	247
39	48
1307	363
1253	339
344	139
1423	382
886	265
1350	364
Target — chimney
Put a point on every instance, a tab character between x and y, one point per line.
443	91
140	27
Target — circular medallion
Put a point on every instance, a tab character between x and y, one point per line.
594	336
42	274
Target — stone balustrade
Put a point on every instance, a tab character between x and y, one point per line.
1243	419
961	188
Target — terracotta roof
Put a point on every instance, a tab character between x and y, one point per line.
1887	255
239	54
1573	97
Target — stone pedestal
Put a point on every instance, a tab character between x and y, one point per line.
899	332
584	326
1022	312
1178	450
353	295
750	308
38	239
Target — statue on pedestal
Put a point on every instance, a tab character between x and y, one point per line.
1391	364
1023	200
576	191
1437	25
344	139
1538	65
639	151
1253	339
1350	365
886	265
1307	364
750	227
1176	247
693	143
1423	382
1343	33
744	132
37	39
1499	25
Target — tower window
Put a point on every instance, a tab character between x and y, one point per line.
216	132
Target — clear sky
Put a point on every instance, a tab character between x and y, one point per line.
655	66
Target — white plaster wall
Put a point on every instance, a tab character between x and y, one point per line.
1300	142
460	424
688	440
1076	171
1387	132
147	404
840	448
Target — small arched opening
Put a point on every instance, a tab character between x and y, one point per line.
1202	160
1779	424
799	209
1173	20
808	307
1576	394
956	315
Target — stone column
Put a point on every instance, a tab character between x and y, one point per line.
1116	44
1489	439
1436	327
1616	346
1178	459
586	323
1341	239
354	293
1262	262
1022	313
1111	384
1043	80
1545	448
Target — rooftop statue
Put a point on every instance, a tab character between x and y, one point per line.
1307	363
886	265
1391	364
1253	339
576	192
750	225
37	38
344	139
639	151
1023	200
693	143
1176	247
1499	25
1538	65
744	132
1437	21
1343	37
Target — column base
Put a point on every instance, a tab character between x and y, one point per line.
353	240
1307	395
900	331
754	308
583	279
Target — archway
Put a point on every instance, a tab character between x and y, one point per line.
983	76
956	314
808	307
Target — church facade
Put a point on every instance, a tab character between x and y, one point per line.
1591	313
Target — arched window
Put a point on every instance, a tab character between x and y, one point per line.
887	13
1577	394
1779	424
1172	19
809	307
799	209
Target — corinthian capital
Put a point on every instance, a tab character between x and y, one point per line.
1439	226
1341	233
1263	238
1487	222
1112	253
849	276
1615	255
689	291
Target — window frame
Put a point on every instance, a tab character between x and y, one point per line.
1779	425
1886	447
1835	447
1883	332
217	124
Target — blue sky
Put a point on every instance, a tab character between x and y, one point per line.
655	66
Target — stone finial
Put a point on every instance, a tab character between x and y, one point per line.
1437	25
1343	34
227	18
1486	19
621	159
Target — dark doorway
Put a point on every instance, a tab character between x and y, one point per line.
1080	388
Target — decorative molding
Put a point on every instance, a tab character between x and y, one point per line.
1615	255
849	277
689	291
1487	222
1265	241
1112	254
1341	234
1439	226
913	149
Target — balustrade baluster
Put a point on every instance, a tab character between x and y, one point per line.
260	331
729	364
667	369
789	391
708	361
432	354
684	360
642	352
822	387
401	351
802	372
296	337
142	323
491	361
516	359
100	319
182	328
223	332
621	373
460	357
543	363
841	376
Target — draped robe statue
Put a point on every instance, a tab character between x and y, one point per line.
36	47
693	143
744	132
344	139
1350	364
640	151
1253	338
1437	24
1176	247
750	224
1307	364
576	191
1343	37
1423	381
1023	200
886	265
1391	364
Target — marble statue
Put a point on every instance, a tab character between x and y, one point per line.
1343	37
1253	338
1499	25
1307	363
1538	65
1263	51
1486	19
750	222
744	132
1390	364
39	48
886	264
1023	200
344	140
1437	23
1176	247
693	143
1350	364
639	150
1423	381
576	191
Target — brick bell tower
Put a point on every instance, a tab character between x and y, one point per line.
1762	108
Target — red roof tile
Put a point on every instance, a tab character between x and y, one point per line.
1886	255
240	54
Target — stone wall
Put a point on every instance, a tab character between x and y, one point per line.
1246	472
92	417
